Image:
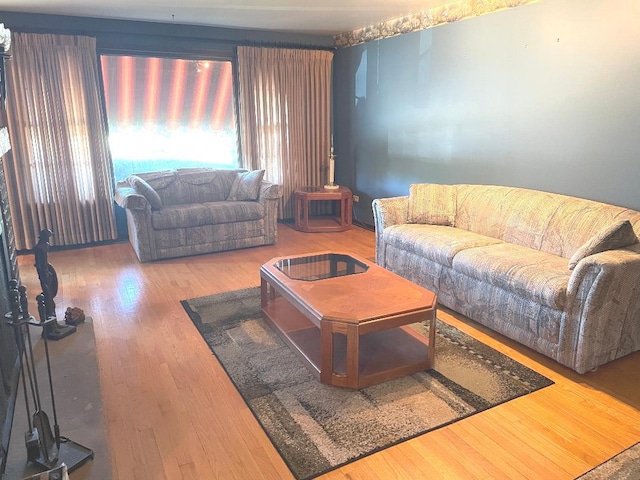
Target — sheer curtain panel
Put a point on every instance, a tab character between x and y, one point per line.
59	172
285	116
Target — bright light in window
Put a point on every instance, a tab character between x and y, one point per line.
169	113
179	145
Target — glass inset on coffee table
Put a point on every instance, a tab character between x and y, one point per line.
317	267
347	318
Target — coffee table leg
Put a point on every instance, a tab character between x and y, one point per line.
327	370
326	352
432	339
263	293
267	293
353	356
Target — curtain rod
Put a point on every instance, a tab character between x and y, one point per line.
286	45
104	35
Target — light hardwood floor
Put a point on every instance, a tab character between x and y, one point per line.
172	413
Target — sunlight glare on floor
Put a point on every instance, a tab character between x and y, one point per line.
130	288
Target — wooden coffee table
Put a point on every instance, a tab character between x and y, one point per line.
347	318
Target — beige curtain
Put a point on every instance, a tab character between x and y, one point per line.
285	116
59	172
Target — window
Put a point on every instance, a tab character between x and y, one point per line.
169	113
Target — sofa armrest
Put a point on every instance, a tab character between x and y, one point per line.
387	212
269	191
126	197
602	315
139	227
269	198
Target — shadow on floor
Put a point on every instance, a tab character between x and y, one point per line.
78	403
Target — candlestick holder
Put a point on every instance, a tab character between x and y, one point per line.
332	165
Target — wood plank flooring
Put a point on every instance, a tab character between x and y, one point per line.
172	413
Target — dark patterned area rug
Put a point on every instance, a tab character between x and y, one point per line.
317	427
624	466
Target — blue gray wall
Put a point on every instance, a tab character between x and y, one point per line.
544	96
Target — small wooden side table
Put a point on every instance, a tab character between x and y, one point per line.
339	221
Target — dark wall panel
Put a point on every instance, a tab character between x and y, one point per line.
179	39
543	96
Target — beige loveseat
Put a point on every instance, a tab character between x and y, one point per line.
175	213
558	274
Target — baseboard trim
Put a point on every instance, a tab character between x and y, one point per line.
366	226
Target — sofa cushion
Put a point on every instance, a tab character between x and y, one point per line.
617	235
246	186
432	204
143	188
191	185
549	222
539	276
435	242
159	179
212	213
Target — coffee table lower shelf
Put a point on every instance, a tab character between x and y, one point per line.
382	355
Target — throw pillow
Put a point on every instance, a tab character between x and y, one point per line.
246	186
432	204
618	235
143	188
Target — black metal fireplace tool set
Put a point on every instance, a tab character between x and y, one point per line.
45	447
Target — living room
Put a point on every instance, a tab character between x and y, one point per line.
538	96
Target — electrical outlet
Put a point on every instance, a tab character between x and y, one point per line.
356	198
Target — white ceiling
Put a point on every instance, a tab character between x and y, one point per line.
322	17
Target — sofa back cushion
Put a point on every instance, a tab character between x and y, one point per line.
191	185
480	209
548	222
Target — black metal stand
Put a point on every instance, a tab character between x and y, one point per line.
53	330
44	447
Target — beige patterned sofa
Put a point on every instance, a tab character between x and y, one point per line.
558	274
175	213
